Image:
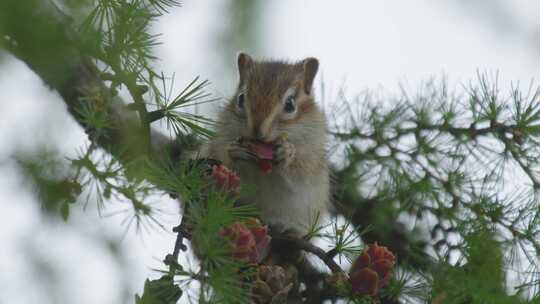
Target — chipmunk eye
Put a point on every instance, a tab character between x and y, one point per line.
290	104
240	101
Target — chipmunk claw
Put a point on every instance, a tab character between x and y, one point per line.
284	153
237	151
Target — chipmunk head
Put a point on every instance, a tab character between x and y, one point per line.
273	96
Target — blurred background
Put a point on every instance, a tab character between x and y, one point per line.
376	45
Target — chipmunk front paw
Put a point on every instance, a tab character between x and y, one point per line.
238	151
284	154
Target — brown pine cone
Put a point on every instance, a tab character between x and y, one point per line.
273	284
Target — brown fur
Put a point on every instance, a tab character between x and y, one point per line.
297	188
265	83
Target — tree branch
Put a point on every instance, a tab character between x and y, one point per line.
302	244
66	67
181	234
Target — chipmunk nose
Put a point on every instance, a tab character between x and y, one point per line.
259	133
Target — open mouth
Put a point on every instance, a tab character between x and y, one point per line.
259	152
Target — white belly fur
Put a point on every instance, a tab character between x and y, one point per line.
285	202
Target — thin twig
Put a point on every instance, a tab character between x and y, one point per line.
518	158
302	244
181	234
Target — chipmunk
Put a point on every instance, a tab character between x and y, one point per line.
274	105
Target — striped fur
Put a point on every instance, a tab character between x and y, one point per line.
290	196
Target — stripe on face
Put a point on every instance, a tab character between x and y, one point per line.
266	84
265	128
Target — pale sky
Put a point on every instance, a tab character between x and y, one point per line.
361	44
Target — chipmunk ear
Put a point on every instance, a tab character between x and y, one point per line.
244	61
310	65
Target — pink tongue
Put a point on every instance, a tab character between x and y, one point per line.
264	150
